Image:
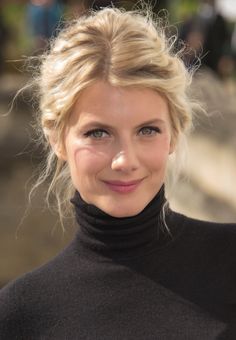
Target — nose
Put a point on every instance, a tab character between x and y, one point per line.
125	161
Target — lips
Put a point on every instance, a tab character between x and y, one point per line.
123	186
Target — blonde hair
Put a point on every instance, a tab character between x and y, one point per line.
122	48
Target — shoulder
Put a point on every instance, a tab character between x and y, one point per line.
209	238
216	241
26	297
10	313
206	253
207	231
48	273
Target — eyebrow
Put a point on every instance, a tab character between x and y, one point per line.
152	121
98	124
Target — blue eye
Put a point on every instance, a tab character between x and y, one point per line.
96	133
149	130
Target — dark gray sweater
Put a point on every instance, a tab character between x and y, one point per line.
128	279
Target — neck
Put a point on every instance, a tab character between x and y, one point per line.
102	234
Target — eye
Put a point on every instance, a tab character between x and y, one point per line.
97	133
149	130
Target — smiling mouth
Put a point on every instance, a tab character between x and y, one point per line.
123	187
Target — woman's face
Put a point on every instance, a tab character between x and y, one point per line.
117	145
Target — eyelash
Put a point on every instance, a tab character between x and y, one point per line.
91	133
152	129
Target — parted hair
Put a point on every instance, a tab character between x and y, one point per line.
124	48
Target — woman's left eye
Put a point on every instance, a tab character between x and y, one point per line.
149	130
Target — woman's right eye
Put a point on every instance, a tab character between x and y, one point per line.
97	133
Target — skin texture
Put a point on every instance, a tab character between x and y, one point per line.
114	138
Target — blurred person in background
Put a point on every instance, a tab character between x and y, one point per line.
114	114
233	43
207	36
44	18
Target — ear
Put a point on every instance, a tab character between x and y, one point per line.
57	147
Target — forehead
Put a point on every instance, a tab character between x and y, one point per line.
119	104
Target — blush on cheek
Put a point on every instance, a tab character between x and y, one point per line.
157	157
89	158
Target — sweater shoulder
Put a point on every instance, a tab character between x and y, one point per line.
210	244
202	228
204	254
10	312
21	297
49	271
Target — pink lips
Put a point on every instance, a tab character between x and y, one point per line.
123	187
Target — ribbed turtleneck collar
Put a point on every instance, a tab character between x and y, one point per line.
102	234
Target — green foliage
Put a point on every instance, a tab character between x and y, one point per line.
180	9
18	38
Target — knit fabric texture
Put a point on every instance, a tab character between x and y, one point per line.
129	279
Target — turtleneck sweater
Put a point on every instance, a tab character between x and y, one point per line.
120	238
146	277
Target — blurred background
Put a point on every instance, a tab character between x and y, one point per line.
207	187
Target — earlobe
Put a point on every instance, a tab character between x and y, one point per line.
172	149
172	146
60	152
57	147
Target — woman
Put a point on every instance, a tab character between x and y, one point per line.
114	109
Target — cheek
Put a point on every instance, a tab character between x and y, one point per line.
89	161
156	163
157	155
